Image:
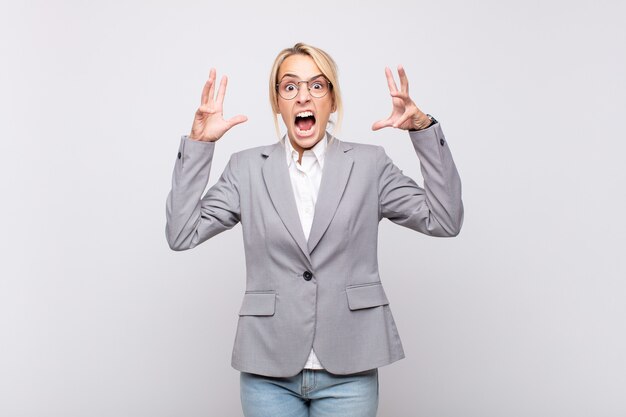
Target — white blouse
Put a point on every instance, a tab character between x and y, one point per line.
305	180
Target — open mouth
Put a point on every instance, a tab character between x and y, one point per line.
304	123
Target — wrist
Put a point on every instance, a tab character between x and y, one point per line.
425	123
200	138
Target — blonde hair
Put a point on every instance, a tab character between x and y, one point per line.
324	62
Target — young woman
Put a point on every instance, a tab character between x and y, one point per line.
315	323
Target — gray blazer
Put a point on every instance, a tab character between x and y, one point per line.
326	292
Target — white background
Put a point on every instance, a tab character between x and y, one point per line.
521	315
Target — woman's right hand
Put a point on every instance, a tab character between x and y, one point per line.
208	123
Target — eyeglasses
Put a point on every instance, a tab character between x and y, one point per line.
318	87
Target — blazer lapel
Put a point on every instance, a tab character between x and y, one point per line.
337	167
278	183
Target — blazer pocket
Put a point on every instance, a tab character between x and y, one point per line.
366	295
258	304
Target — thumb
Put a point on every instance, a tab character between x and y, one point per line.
234	121
381	124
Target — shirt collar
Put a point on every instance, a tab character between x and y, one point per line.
317	153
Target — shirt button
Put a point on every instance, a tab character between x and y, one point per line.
307	275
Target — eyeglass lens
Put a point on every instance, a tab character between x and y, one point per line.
288	88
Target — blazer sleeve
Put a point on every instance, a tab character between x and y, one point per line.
190	219
436	209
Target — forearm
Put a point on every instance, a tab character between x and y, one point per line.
442	183
189	179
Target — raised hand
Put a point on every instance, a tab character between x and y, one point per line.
208	123
405	114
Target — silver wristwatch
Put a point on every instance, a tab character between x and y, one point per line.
433	121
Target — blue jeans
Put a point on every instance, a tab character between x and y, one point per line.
311	393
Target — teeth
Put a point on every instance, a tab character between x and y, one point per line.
304	114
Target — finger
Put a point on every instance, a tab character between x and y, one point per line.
381	124
205	109
402	119
401	95
404	81
234	121
390	81
222	90
205	93
207	87
211	85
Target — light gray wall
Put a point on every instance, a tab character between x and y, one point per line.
521	315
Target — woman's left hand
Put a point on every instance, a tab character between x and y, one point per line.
405	114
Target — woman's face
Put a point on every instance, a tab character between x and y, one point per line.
304	116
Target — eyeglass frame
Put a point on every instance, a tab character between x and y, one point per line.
330	86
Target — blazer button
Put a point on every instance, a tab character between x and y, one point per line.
441	141
179	155
307	275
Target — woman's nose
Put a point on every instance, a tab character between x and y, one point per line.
303	92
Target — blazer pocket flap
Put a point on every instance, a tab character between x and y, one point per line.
258	304
364	296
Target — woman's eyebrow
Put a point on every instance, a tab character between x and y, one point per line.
295	76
